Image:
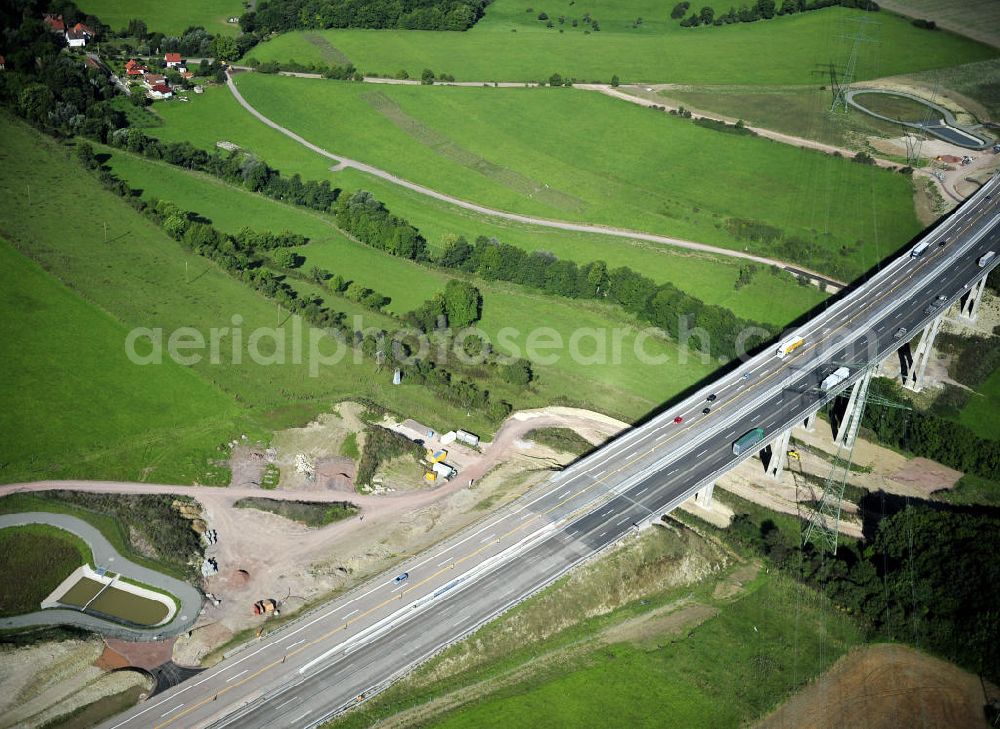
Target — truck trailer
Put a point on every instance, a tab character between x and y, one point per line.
748	440
834	379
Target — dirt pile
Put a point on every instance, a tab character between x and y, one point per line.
885	687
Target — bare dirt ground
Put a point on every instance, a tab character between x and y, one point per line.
670	620
41	682
886	687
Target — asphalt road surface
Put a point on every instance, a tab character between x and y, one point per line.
305	672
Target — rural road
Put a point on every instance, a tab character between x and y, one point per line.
342	162
105	555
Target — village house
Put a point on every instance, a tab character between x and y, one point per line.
159	91
134	68
152	79
76	38
54	23
173	60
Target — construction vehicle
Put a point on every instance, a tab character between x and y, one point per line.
266	607
436	456
748	440
794	454
430	476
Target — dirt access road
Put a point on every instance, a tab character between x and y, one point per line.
263	555
342	162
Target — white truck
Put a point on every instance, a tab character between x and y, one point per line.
986	258
789	345
835	378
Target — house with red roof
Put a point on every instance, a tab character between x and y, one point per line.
54	22
173	60
134	68
159	91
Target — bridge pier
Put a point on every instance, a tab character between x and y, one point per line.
915	377
779	455
970	304
851	423
703	496
809	424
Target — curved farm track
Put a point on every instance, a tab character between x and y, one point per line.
342	162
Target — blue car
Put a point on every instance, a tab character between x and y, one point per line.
402	577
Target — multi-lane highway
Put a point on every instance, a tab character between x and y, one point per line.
309	670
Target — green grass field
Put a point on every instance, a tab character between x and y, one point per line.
896	107
510	44
726	672
143	278
408	284
168	18
215	116
578	155
982	413
76	403
34	559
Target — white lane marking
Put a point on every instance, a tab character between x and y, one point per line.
622	521
233	678
601	534
530	513
349	614
486	539
447	561
176	708
643	491
291	700
563	493
301	717
298	642
702	453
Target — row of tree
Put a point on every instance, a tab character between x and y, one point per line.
761	10
236	167
241	257
662	305
279	16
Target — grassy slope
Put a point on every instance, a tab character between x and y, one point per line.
409	284
578	155
171	18
34	559
77	405
725	672
215	116
982	413
794	49
140	280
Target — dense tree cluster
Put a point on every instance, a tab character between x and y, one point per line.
50	89
763	10
927	576
279	16
975	358
369	220
662	305
945	441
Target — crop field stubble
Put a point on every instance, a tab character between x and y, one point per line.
511	44
215	116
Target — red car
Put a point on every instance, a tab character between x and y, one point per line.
678	419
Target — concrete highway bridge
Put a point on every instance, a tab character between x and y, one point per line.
309	670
